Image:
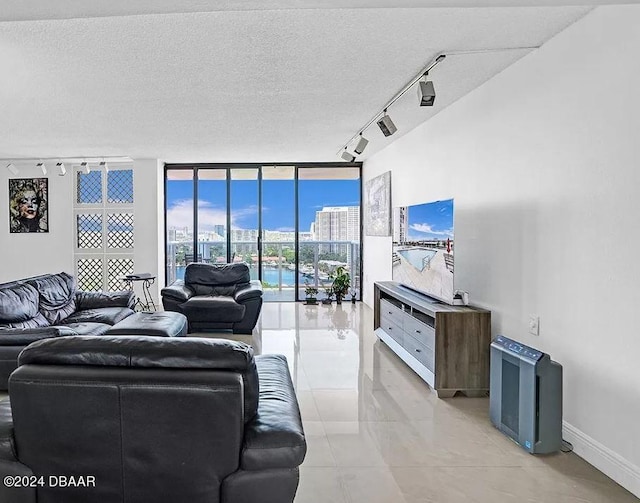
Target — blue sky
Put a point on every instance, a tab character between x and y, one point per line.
431	220
278	202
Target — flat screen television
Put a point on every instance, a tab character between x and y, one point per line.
423	248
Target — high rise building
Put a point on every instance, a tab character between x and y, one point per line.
337	223
400	224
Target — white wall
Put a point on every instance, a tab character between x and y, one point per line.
23	255
148	180
543	163
30	254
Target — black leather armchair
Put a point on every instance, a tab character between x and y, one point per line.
216	296
165	420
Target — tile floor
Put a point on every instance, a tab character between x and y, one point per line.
376	433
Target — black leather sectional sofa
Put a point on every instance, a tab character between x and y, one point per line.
158	420
50	306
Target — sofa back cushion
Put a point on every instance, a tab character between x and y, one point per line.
57	295
216	279
128	411
19	307
142	352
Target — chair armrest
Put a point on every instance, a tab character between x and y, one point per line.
178	291
25	336
9	464
97	300
246	292
274	438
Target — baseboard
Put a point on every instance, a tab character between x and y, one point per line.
604	459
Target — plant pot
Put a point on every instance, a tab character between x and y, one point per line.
353	299
326	302
310	301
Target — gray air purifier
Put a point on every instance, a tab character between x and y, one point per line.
526	396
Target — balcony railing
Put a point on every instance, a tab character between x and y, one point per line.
317	260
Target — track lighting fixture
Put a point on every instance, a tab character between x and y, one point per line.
45	164
426	92
361	145
386	125
347	156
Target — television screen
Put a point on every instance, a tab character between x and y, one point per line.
423	248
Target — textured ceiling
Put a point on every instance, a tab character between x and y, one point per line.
241	85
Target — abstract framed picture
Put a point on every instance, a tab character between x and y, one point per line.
377	209
28	205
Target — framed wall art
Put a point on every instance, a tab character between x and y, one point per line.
28	205
377	209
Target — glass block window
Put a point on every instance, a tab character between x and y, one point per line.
117	268
89	187
89	230
104	227
120	186
120	230
89	274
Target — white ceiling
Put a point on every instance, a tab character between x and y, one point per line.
241	83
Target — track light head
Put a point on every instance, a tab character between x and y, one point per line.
386	125
361	145
42	167
61	169
12	168
426	93
347	156
85	167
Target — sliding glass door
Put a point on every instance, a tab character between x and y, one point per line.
279	232
329	226
211	217
244	213
292	225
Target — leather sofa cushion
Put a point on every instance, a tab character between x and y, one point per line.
210	307
108	315
216	279
83	328
161	324
25	336
57	295
95	300
275	438
18	304
7	450
151	352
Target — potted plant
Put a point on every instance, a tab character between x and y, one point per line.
353	295
311	293
341	283
329	292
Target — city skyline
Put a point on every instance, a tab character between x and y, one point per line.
277	209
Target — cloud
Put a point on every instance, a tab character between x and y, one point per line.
427	229
180	214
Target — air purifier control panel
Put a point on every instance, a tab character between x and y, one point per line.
518	348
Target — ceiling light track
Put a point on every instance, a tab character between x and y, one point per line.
59	162
426	93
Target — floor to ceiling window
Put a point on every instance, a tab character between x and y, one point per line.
292	225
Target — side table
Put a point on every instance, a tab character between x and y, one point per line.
147	280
